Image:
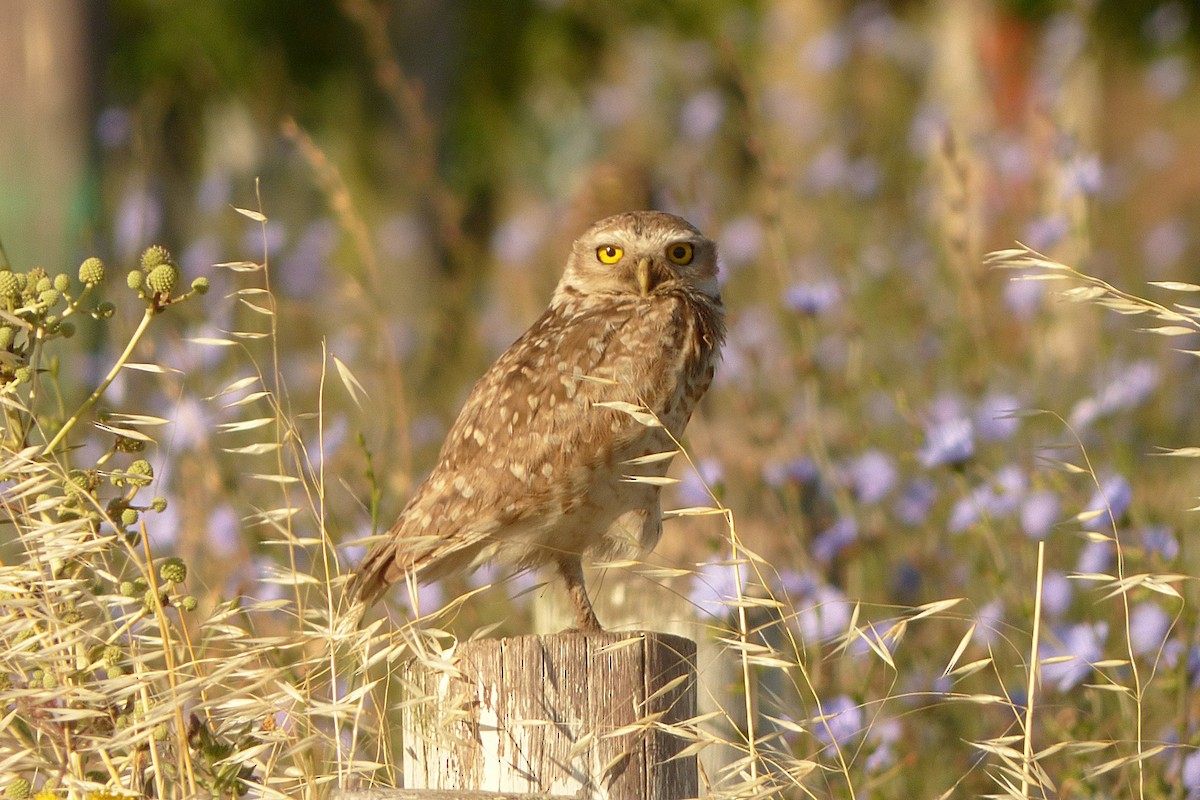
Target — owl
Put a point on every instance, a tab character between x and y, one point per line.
561	447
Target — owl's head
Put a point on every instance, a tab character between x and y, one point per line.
640	253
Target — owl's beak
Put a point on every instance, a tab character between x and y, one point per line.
643	276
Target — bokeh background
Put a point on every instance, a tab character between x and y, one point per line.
424	166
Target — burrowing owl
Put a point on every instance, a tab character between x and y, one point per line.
561	446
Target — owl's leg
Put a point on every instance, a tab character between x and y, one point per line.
571	570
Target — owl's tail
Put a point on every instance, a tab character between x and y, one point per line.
372	577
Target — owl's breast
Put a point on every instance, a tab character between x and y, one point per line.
686	333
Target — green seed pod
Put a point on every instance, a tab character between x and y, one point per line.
162	279
140	584
173	570
67	329
43	283
62	282
10	285
188	603
128	589
84	479
49	296
154	256
126	445
139	473
129	517
91	271
159	504
112	655
23	374
150	600
49	681
200	285
7	335
17	789
134	279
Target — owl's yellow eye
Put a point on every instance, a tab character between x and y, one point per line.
680	253
609	253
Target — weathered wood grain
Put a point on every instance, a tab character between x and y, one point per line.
564	715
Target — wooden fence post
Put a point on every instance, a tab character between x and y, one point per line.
567	715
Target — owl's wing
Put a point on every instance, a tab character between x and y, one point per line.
531	435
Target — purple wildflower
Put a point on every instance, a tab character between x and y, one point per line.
872	476
863	177
741	240
1057	593
1042	233
994	420
1168	77
612	104
1165	243
824	613
929	126
1024	297
701	115
113	127
1084	176
1112	500
968	510
1008	489
753	341
950	442
839	723
797	585
304	268
826	52
915	501
812	298
430	596
1189	773
1166	24
714	584
224	530
1148	627
1084	644
200	255
835	539
799	471
139	219
1132	386
1160	540
214	193
253	236
694	487
516	239
987	622
1040	512
1094	558
828	169
906	582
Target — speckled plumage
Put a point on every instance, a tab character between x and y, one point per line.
536	470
